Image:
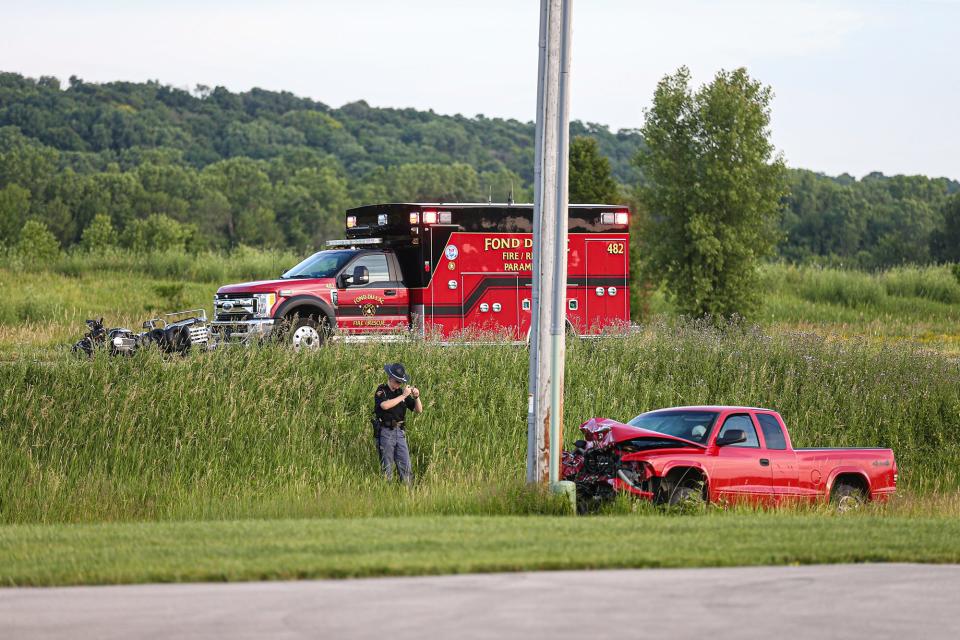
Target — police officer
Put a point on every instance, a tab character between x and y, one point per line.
391	402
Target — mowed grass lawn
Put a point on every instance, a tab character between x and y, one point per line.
43	555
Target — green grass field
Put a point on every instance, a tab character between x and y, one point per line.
247	463
361	547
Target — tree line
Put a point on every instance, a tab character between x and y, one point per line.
148	166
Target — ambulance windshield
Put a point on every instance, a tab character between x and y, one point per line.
324	264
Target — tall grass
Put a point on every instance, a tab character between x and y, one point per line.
921	304
243	263
851	288
267	432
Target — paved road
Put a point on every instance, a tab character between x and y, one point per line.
840	601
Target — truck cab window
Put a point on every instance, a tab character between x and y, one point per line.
772	431
376	264
745	424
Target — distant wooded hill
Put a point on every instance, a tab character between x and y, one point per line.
213	168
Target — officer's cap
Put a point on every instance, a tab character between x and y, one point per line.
396	371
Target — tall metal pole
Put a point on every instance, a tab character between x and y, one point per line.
545	413
558	323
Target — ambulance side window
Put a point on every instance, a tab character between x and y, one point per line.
376	264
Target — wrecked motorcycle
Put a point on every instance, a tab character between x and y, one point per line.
174	332
118	341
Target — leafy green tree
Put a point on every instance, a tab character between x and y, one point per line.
946	239
591	180
14	205
714	191
249	192
37	244
157	232
99	235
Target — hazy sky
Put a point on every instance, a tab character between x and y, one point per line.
860	86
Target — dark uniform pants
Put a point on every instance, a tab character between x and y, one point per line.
392	446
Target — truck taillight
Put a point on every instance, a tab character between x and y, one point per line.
429	217
351	222
414	218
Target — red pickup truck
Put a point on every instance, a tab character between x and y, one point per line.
720	454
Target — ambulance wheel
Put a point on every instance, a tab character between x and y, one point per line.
306	333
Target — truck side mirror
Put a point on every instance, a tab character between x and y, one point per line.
361	275
733	436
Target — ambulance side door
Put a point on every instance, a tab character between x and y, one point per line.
381	305
607	296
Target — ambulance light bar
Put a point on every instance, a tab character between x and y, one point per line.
433	217
351	243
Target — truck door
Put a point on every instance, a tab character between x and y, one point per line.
783	461
741	472
381	306
606	297
491	302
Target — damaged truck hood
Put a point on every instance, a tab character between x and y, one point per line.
604	432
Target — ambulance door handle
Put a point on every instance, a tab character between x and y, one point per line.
390	292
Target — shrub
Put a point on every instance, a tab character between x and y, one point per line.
37	245
158	232
99	235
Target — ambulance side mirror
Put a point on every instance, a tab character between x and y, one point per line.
361	275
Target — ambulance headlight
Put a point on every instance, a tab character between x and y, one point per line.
265	303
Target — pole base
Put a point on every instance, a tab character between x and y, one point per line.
568	489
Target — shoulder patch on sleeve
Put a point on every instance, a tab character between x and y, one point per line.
379	393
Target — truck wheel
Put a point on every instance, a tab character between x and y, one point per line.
687	495
847	497
307	333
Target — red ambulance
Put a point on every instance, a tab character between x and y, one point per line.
437	270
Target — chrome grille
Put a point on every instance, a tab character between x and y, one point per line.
234	307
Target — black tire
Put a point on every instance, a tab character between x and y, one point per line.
847	497
84	347
306	333
591	497
689	494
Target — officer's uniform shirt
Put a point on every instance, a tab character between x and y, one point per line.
397	414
